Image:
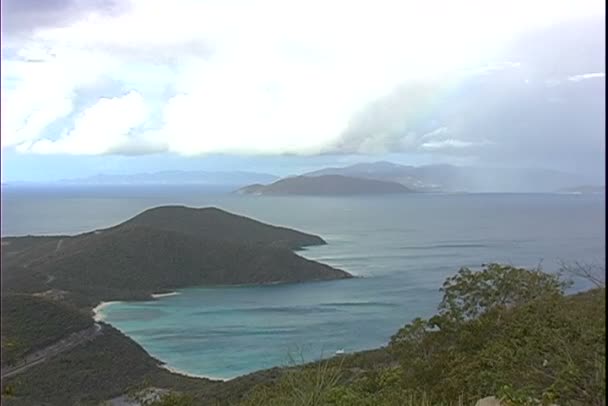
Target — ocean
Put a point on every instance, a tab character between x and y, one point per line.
401	248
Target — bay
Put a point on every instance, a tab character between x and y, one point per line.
401	248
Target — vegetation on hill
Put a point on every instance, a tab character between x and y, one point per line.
30	323
211	223
326	185
146	254
50	284
132	259
451	178
505	331
107	367
12	246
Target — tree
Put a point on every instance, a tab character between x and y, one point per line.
468	294
593	272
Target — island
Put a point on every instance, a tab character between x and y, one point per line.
326	185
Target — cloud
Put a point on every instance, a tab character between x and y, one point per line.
448	144
494	67
27	16
94	133
494	115
39	97
263	77
451	143
438	132
585	76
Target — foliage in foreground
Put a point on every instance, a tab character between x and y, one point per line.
503	331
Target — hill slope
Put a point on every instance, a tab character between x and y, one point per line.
31	322
450	178
215	224
147	254
326	185
544	345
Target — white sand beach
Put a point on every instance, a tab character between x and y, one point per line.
180	372
97	311
159	295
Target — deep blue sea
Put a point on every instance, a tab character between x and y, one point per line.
402	247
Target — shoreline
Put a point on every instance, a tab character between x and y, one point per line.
97	316
189	375
159	295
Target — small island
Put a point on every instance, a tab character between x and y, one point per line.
326	185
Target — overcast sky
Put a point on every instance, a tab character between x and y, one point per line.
282	86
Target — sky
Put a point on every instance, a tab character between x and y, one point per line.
108	86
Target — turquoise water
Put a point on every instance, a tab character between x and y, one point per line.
401	247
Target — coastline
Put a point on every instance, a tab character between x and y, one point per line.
97	315
159	295
184	373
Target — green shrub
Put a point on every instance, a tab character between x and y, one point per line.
503	331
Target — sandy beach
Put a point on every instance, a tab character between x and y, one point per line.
97	311
159	295
180	372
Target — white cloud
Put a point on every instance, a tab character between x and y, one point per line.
267	76
495	67
445	144
38	99
438	132
103	128
585	76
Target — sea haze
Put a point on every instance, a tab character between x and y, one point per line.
402	247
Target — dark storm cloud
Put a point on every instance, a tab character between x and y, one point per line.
564	49
21	17
525	110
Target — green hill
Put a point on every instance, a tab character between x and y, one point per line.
30	323
146	254
215	224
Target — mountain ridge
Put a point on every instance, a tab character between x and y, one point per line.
452	178
174	177
326	185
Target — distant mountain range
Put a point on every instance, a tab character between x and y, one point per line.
234	178
326	185
450	178
350	180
